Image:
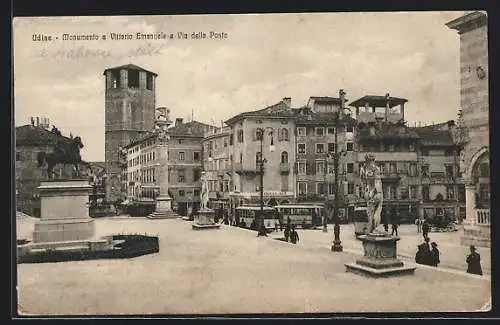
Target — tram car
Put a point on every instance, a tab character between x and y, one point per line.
248	214
301	215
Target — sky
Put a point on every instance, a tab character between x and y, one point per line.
264	58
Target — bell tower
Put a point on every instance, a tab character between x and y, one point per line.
130	100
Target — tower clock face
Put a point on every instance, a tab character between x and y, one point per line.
481	74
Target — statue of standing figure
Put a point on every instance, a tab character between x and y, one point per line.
204	192
372	184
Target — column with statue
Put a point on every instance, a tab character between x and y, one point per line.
163	208
204	219
380	248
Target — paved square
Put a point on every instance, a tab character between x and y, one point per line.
230	270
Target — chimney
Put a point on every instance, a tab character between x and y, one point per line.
287	101
178	121
37	121
387	105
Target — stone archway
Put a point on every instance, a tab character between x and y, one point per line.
478	156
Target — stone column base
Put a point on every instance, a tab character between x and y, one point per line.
380	258
205	220
59	230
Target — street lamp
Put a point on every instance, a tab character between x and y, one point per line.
261	161
335	155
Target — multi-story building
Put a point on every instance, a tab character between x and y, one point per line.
442	191
277	146
315	138
185	164
474	102
32	139
129	113
217	166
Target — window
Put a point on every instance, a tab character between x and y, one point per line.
448	152
450	193
320	167
196	175
241	158
484	192
301	132
320	148
301	148
331	130
283	135
413	191
349	128
196	192
196	156
404	193
360	147
240	136
412	170
18	156
350	168
257	136
179	141
231	139
149	81
411	147
350	146
331	188
181	176
115	79
320	132
449	171
284	183
331	147
425	193
182	193
302	188
461	193
284	157
392	167
182	155
225	142
425	171
350	188
320	188
301	167
133	78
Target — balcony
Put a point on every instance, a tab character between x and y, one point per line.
284	168
390	176
390	156
241	169
426	179
483	217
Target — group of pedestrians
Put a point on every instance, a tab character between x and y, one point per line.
427	255
290	233
394	219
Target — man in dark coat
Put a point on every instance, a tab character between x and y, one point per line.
474	262
423	253
294	236
288	230
434	255
425	229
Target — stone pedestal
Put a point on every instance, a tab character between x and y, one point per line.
380	257
163	209
477	235
205	220
64	212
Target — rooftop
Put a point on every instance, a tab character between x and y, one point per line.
276	110
378	101
189	129
31	135
130	67
436	134
468	21
325	99
386	130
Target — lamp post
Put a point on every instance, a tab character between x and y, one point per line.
337	245
261	161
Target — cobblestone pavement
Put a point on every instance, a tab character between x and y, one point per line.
453	254
230	270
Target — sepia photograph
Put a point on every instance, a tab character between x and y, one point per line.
248	164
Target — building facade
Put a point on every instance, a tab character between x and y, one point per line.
129	113
474	109
316	125
185	165
276	144
218	167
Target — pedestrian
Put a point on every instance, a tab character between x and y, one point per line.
395	224
425	229
420	255
294	236
417	223
474	262
276	225
434	255
287	232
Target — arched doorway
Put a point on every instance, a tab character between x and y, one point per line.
480	176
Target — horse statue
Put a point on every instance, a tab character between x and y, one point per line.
372	183
66	153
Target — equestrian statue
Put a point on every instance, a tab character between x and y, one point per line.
66	152
372	184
